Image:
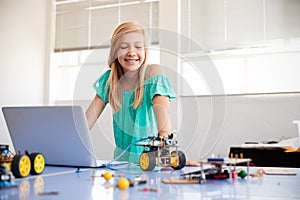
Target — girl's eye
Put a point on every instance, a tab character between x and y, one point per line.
139	47
123	47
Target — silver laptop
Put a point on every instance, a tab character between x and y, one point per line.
60	133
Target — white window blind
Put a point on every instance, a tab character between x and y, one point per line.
227	24
253	45
88	24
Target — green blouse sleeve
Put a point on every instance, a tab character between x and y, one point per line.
160	85
100	86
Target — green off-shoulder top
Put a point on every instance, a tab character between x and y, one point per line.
130	124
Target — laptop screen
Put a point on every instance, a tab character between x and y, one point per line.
60	133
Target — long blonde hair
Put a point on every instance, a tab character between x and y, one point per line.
115	91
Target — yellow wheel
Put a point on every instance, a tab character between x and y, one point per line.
178	163
147	161
37	163
21	166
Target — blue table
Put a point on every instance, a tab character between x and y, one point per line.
67	183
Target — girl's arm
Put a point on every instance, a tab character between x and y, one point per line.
161	107
162	110
94	110
161	104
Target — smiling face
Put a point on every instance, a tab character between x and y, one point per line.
131	51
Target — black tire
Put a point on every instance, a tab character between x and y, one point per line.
147	161
37	163
20	166
181	160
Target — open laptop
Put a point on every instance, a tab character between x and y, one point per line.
60	133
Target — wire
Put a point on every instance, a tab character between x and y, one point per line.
109	164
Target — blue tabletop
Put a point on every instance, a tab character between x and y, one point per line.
68	183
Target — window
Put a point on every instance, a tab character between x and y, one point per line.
253	45
88	24
246	46
82	36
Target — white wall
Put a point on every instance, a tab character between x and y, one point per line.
247	118
22	54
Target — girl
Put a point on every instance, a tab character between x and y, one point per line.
138	93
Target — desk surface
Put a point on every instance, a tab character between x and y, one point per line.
72	185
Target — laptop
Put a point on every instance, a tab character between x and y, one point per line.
60	133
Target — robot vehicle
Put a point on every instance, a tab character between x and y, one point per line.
161	151
20	165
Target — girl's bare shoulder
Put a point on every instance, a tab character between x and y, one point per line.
154	69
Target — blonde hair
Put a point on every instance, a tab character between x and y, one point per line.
115	91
